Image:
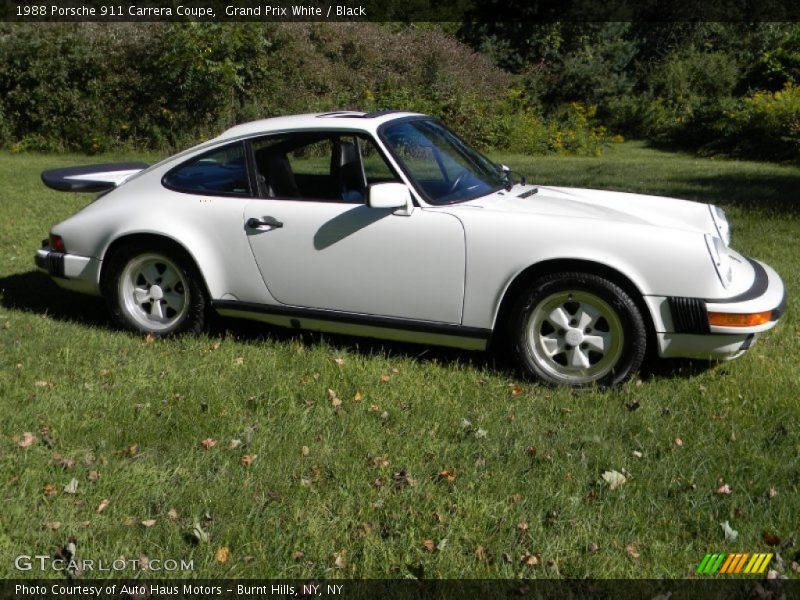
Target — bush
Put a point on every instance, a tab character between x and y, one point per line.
93	87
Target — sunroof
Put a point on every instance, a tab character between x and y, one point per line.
351	114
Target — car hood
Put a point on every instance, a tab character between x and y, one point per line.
599	204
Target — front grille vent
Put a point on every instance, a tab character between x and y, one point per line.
689	315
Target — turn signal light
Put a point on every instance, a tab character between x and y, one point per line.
738	319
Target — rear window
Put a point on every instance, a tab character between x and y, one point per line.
220	172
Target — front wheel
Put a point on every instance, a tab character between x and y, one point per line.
155	289
578	329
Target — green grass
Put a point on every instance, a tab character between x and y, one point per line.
527	467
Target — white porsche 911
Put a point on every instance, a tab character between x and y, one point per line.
388	225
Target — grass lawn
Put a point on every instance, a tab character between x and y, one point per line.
437	463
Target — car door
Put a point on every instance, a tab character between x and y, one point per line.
318	245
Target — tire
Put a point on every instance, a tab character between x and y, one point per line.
155	288
579	330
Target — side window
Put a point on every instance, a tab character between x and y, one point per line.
320	166
222	171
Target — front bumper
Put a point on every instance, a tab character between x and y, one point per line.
683	328
70	271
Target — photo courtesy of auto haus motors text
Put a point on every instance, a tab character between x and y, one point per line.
141	590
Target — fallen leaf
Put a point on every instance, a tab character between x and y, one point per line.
772	492
148	523
339	560
678	442
128	521
385	377
238	361
216	345
637	454
529	559
50	490
71	487
305	451
28	440
53	525
42	384
429	545
631	551
480	433
515	389
773	574
593	547
208	443
339	361
298	555
730	533
199	534
770	539
480	553
64	463
358	397
94	475
614	479
522	526
515	498
222	555
335	402
448	475
103	505
248	459
149	338
235	443
724	489
374	408
437	517
172	514
132	450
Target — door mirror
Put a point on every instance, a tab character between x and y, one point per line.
388	195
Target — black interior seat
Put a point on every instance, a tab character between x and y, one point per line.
280	177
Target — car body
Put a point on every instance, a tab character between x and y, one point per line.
388	225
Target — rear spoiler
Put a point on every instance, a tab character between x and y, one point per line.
91	178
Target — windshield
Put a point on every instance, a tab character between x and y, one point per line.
442	167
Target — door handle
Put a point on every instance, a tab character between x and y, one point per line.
272	222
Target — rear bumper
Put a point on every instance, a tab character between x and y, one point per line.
683	328
70	271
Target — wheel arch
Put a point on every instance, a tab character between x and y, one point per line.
561	265
144	238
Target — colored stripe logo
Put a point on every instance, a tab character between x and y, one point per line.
731	564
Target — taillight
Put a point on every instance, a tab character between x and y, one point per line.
57	244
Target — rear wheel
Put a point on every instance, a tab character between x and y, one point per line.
578	329
155	288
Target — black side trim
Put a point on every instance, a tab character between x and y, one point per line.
689	315
356	319
760	285
59	179
748	342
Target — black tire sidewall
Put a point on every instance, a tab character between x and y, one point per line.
195	318
633	325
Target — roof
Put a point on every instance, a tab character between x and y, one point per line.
316	121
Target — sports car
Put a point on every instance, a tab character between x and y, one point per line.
388	225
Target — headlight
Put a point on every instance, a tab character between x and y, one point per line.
721	223
721	259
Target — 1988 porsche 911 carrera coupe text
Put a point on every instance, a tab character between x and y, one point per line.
388	225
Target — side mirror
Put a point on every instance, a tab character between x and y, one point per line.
503	168
388	195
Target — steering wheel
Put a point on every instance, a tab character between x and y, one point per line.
463	174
